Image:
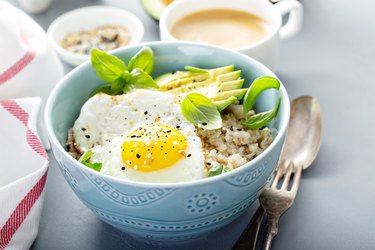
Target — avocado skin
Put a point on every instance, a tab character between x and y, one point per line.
154	8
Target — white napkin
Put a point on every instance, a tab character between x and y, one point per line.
23	168
28	65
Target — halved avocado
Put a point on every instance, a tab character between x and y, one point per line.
155	7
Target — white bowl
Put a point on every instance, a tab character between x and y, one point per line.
84	19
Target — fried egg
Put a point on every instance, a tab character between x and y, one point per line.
140	136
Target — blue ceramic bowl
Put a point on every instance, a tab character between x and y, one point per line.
165	211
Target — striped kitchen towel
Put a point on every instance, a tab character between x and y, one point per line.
23	172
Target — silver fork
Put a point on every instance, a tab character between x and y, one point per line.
276	201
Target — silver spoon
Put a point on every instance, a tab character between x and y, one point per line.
301	146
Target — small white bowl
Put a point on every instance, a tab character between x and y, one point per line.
84	19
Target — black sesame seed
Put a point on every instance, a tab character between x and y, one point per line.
133	136
138	156
145	112
239	129
204	123
208	163
168	131
87	136
83	129
123	168
188	155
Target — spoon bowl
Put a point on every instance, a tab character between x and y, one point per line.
303	139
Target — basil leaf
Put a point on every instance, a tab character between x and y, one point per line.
143	60
86	157
226	169
108	67
106	89
261	119
118	85
201	111
140	79
97	166
215	170
258	86
125	76
196	70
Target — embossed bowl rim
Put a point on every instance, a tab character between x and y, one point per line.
284	121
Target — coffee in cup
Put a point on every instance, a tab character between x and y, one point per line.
233	29
252	27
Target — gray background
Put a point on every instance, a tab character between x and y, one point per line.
332	59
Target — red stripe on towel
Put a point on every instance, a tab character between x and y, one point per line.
21	212
20	64
17	111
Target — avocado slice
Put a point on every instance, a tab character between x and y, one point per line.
222	70
176	79
239	93
235	75
235	84
170	77
155	7
223	104
209	86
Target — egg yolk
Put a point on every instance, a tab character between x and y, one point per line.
153	147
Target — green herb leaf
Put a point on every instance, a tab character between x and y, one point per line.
140	79
215	170
261	119
143	60
118	85
106	89
86	157
226	169
196	70
201	111
258	86
108	67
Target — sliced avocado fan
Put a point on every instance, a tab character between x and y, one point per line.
222	85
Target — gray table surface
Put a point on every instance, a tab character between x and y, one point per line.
332	59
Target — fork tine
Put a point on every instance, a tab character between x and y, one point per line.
289	171
279	174
297	178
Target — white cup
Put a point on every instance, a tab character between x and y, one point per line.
267	50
